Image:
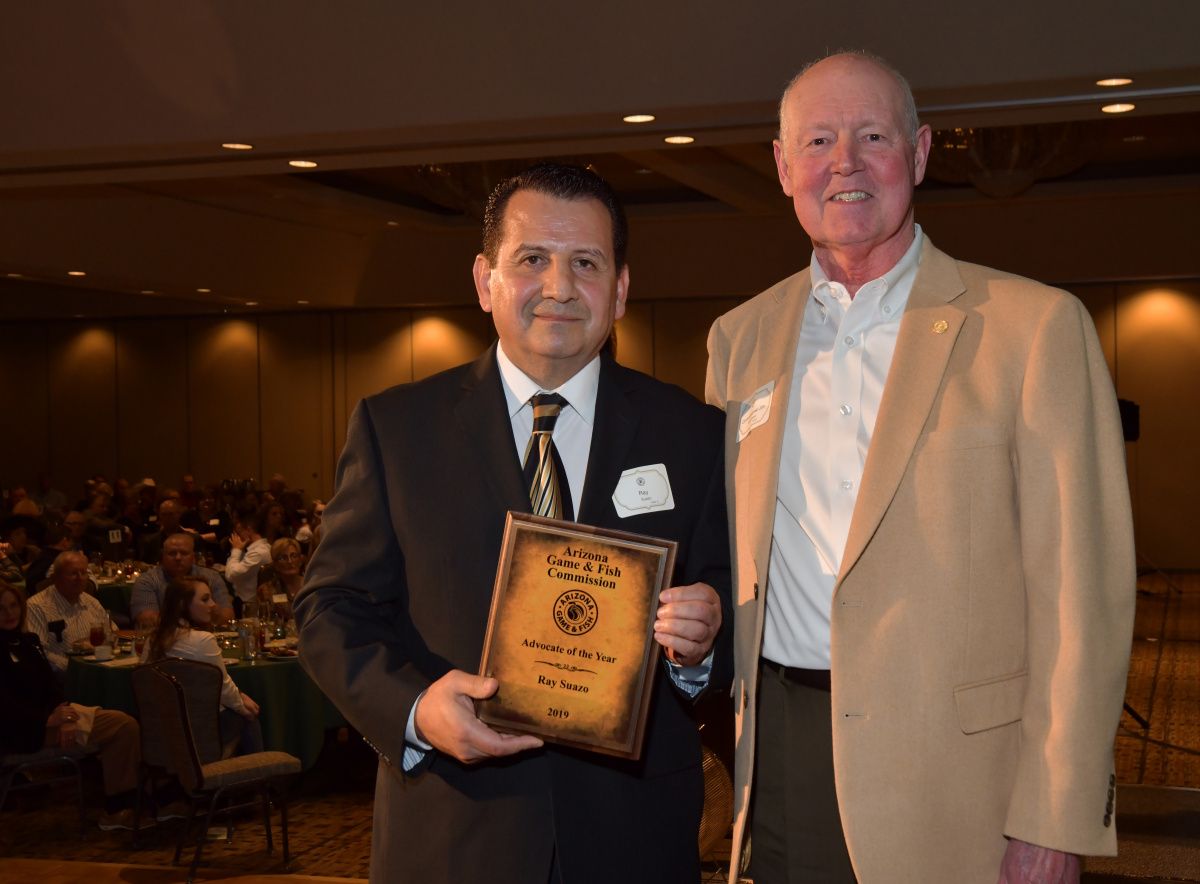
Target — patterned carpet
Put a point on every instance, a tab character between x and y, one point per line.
329	807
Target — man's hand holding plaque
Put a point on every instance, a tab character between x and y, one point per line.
445	719
688	622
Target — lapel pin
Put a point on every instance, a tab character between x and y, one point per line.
940	327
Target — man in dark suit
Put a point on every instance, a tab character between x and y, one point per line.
395	604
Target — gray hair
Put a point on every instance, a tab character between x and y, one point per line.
911	121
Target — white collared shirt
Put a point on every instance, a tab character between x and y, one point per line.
49	606
573	429
842	360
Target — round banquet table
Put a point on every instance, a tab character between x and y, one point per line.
294	713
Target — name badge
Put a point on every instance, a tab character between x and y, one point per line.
755	410
115	536
280	598
643	490
214	521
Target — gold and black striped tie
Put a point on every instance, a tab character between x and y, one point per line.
549	493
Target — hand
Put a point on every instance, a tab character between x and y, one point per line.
66	735
62	714
249	708
147	619
5	549
237	541
1026	863
688	622
446	720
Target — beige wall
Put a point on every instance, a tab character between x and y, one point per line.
250	396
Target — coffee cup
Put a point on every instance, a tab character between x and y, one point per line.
103	652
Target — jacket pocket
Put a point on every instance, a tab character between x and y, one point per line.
983	705
959	438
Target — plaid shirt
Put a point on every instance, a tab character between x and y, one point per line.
47	607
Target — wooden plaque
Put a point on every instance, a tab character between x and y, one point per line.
571	633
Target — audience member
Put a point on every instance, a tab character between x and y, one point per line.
16	532
249	551
276	487
169	513
188	495
177	561
36	714
76	523
57	539
185	631
278	592
48	498
10	568
64	614
15	495
208	523
307	531
272	521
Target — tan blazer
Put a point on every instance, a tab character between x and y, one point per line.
983	614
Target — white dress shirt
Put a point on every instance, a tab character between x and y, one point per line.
842	360
243	566
49	606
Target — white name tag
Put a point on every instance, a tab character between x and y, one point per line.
755	410
214	521
643	490
114	536
280	598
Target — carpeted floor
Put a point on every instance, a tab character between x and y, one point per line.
329	807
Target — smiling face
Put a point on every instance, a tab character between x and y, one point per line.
202	607
847	162
555	290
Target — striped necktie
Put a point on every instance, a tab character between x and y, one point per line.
549	493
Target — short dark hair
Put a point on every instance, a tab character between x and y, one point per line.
560	180
55	535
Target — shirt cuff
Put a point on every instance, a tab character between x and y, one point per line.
414	747
691	679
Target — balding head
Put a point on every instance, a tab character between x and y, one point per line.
70	575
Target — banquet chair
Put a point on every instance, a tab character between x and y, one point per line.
50	757
214	778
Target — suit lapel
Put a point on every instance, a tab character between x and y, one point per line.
922	353
759	452
615	425
482	411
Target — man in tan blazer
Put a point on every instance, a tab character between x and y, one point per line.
934	571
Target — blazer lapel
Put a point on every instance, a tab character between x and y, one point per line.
615	425
483	412
757	465
923	350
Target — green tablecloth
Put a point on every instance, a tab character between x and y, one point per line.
115	597
294	713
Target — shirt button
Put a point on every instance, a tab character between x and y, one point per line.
846	410
887	309
848	340
847	485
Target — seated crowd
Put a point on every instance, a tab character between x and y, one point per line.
49	607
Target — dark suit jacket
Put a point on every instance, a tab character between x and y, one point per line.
398	594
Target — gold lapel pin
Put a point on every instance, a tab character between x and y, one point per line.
940	327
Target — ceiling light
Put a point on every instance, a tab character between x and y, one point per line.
148	292
1114	81
393	224
1117	108
302	302
15	275
78	316
204	291
643	171
639	118
76	273
679	139
302	164
252	303
1126	138
237	145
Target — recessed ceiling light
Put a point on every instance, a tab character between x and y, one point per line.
679	139
148	292
643	171
1114	81
237	145
639	118
1134	138
204	291
15	275
78	316
76	273
302	302
393	224
1117	108
252	303
302	164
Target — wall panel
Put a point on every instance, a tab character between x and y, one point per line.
25	448
1158	344
152	394
635	337
1101	302
290	384
82	373
681	340
223	396
448	337
378	353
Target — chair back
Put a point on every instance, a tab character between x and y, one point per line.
201	683
155	751
173	714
